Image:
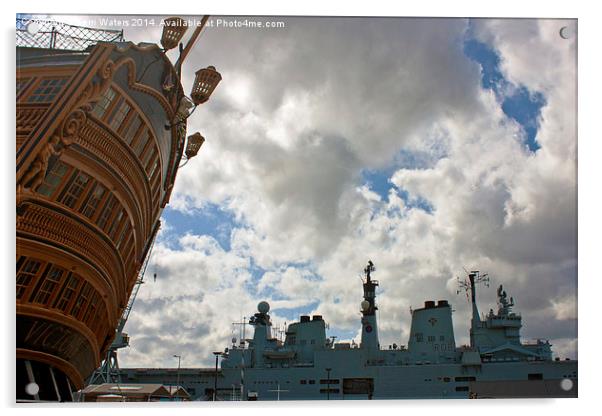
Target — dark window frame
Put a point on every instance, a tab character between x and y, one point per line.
54	174
29	277
45	90
119	114
91	202
105	104
133	130
83	297
74	192
107	211
46	289
67	295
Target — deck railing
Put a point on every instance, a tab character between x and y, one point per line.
50	34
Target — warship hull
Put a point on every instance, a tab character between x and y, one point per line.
350	380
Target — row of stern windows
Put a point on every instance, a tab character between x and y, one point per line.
39	90
50	286
82	193
112	109
118	114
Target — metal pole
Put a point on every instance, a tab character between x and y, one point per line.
215	378
328	383
190	43
178	375
52	37
241	346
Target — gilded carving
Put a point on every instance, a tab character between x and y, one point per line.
37	171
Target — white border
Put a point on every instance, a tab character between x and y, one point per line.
589	190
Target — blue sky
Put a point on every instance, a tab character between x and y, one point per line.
520	105
212	220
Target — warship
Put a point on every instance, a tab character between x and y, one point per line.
308	365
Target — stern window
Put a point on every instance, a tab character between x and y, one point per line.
103	104
46	90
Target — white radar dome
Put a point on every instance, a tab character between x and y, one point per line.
263	307
365	305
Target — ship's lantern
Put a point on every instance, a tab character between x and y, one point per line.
173	31
194	144
204	83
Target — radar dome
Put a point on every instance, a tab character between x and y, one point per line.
365	305
263	307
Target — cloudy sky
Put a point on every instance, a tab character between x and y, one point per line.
425	145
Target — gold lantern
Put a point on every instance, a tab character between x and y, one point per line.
173	31
194	144
205	82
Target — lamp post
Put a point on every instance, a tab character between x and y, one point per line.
194	143
179	357
205	82
173	31
217	354
328	383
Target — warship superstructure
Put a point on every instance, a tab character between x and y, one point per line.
308	365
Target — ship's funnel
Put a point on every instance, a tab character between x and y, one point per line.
432	332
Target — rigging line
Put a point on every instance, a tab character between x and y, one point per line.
200	35
146	68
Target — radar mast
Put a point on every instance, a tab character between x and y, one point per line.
474	277
368	310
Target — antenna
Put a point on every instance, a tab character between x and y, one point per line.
481	278
368	269
473	276
463	285
281	330
242	324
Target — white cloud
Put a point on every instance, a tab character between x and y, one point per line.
565	307
297	117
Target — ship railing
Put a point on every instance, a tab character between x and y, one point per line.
537	341
303	365
510	317
50	34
